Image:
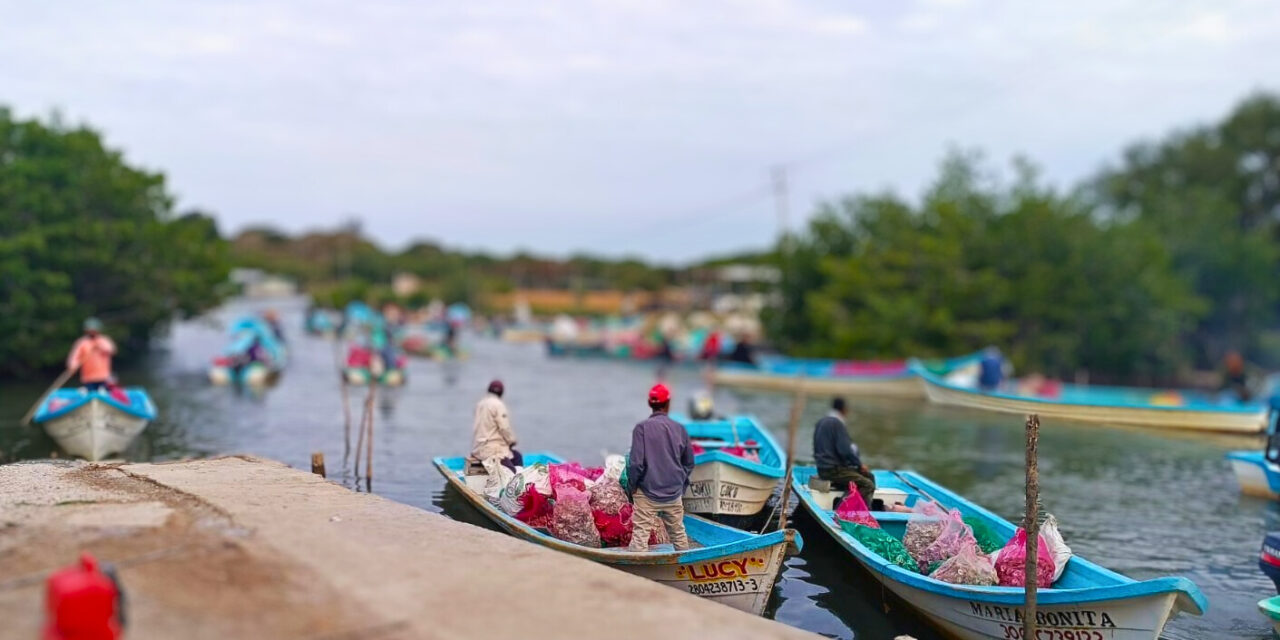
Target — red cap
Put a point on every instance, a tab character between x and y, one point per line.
659	393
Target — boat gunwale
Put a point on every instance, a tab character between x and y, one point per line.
80	398
761	434
745	541
1187	594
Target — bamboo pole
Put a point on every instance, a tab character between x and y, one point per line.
57	384
360	434
368	414
797	408
1032	524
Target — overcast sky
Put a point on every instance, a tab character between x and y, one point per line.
625	126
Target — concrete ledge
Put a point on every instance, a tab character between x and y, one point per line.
243	547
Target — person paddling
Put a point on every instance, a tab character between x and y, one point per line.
658	473
92	355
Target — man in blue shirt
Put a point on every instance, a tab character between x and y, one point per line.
658	472
836	456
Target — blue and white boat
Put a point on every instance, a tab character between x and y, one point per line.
738	467
1087	602
874	378
253	356
1159	408
726	565
95	424
1259	471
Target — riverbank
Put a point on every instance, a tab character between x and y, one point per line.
246	547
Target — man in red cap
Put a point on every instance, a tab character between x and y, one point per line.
492	436
658	473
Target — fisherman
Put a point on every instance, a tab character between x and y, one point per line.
990	369
492	435
836	456
92	355
1236	378
273	320
658	473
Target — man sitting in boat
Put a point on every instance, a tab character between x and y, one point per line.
658	473
836	456
492	436
991	369
92	355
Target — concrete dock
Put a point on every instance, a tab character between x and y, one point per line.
240	547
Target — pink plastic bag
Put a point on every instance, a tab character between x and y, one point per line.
967	567
571	517
566	474
955	535
926	522
854	509
1011	564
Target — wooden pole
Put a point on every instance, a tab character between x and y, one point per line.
317	463
368	414
797	408
1032	524
57	384
360	435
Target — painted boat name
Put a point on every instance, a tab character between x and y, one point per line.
1076	618
736	568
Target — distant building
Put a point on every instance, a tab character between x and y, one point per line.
405	284
256	283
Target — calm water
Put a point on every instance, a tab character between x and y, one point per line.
1140	503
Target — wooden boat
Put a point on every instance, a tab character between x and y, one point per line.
726	565
93	425
361	376
723	483
1107	405
885	379
1088	602
254	356
1259	471
1271	609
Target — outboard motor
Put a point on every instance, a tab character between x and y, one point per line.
1272	452
1269	559
701	406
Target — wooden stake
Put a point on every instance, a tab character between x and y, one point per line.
368	416
1032	524
360	436
797	408
317	463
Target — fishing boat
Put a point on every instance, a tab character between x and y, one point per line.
361	376
253	356
1258	472
95	424
725	565
1087	602
737	466
1184	410
877	378
320	322
1269	562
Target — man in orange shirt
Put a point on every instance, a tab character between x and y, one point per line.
92	355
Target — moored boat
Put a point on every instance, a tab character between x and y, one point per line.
254	355
737	466
886	379
1088	601
1258	472
95	424
1181	410
726	565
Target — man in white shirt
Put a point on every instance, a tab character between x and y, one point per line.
492	436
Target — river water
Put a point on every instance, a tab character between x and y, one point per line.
1141	503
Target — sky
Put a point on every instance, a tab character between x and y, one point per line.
621	127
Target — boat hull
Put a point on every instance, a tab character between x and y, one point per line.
1256	476
95	430
1244	422
719	488
739	575
906	387
253	375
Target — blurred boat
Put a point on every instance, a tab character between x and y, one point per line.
1087	602
362	376
1258	472
93	425
253	356
1107	405
523	333
737	468
725	565
886	379
1270	608
320	322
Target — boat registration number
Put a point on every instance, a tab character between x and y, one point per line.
722	587
1012	632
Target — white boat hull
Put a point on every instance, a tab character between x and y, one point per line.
95	430
720	488
742	581
907	387
1164	418
1129	619
1253	479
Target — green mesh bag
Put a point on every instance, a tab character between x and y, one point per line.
988	540
882	544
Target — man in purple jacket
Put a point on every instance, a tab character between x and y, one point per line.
658	472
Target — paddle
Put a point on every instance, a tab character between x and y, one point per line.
913	486
57	384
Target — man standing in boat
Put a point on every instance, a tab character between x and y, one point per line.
836	456
91	354
658	473
492	435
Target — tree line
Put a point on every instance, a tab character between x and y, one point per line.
1157	265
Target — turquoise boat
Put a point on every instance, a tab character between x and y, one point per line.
726	565
875	378
738	468
1087	602
95	424
1159	408
1258	472
1271	609
253	355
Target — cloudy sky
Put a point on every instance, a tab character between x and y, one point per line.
619	127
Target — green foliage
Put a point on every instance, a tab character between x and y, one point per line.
82	233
